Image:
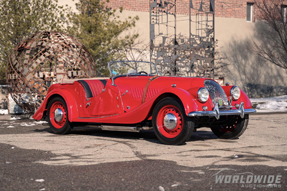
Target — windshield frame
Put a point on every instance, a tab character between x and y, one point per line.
113	77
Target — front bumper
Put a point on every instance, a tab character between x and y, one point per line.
217	113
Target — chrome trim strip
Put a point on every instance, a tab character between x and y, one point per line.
217	113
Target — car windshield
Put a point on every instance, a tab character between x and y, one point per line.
132	68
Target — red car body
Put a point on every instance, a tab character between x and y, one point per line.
131	100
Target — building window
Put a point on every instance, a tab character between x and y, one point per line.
284	12
249	16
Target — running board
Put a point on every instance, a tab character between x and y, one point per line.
124	128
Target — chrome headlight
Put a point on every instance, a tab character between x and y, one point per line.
203	94
235	92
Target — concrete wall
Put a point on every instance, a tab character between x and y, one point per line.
236	39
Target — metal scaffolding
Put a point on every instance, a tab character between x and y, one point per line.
176	53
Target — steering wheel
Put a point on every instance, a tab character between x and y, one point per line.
142	72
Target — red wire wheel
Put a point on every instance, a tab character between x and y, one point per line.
170	123
58	116
232	130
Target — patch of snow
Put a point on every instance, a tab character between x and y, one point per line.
40	122
161	188
271	104
40	180
10	127
27	125
14	118
3	111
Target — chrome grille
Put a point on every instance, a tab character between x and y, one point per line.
216	92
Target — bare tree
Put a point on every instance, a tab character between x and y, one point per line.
271	32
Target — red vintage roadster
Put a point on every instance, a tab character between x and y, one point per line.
137	97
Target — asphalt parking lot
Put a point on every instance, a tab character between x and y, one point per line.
32	158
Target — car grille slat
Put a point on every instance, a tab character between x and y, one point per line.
216	92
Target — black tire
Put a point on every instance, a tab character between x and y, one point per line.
183	126
233	130
63	126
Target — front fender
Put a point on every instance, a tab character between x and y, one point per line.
187	100
69	99
243	97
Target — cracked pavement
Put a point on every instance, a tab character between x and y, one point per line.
138	158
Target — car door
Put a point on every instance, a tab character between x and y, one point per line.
131	89
105	100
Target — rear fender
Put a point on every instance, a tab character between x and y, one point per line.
69	99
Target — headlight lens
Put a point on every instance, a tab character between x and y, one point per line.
235	92
203	94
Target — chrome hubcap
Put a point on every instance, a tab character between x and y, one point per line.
58	115
170	121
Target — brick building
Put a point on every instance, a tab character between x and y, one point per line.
223	8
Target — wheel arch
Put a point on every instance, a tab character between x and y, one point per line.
158	99
48	101
184	98
70	102
66	96
52	97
